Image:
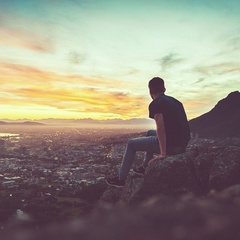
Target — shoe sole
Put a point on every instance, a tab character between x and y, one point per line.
114	185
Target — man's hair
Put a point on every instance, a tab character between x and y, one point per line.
156	85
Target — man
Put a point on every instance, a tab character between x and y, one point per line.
171	136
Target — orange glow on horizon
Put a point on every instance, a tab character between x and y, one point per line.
50	95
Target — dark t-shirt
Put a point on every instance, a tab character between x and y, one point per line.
175	120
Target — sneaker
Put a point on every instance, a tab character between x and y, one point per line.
139	170
115	182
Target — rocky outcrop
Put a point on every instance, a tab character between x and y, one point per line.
207	165
222	121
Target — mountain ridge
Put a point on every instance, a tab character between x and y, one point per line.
21	123
221	121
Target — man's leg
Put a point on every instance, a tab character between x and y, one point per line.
147	144
149	155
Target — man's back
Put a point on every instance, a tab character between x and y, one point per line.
175	120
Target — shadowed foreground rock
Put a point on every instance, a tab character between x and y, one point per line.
186	217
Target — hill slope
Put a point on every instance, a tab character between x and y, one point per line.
222	121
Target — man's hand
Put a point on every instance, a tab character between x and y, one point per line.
158	157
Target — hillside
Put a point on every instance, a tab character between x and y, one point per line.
222	121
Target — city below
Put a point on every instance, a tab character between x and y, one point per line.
60	157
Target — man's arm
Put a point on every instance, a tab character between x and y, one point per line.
161	135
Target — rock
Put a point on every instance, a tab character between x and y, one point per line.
225	170
111	196
130	192
211	165
186	217
172	176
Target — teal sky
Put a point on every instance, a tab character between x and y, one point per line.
78	59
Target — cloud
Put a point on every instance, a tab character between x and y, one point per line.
84	101
15	36
229	44
169	61
234	43
133	71
73	93
121	105
33	76
199	80
218	69
75	57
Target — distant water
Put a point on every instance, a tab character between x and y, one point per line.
9	135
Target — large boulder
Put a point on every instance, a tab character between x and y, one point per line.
219	168
208	166
173	176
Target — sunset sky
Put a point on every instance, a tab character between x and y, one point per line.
94	58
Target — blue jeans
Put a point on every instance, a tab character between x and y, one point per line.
149	145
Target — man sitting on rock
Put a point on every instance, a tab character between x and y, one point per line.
171	136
